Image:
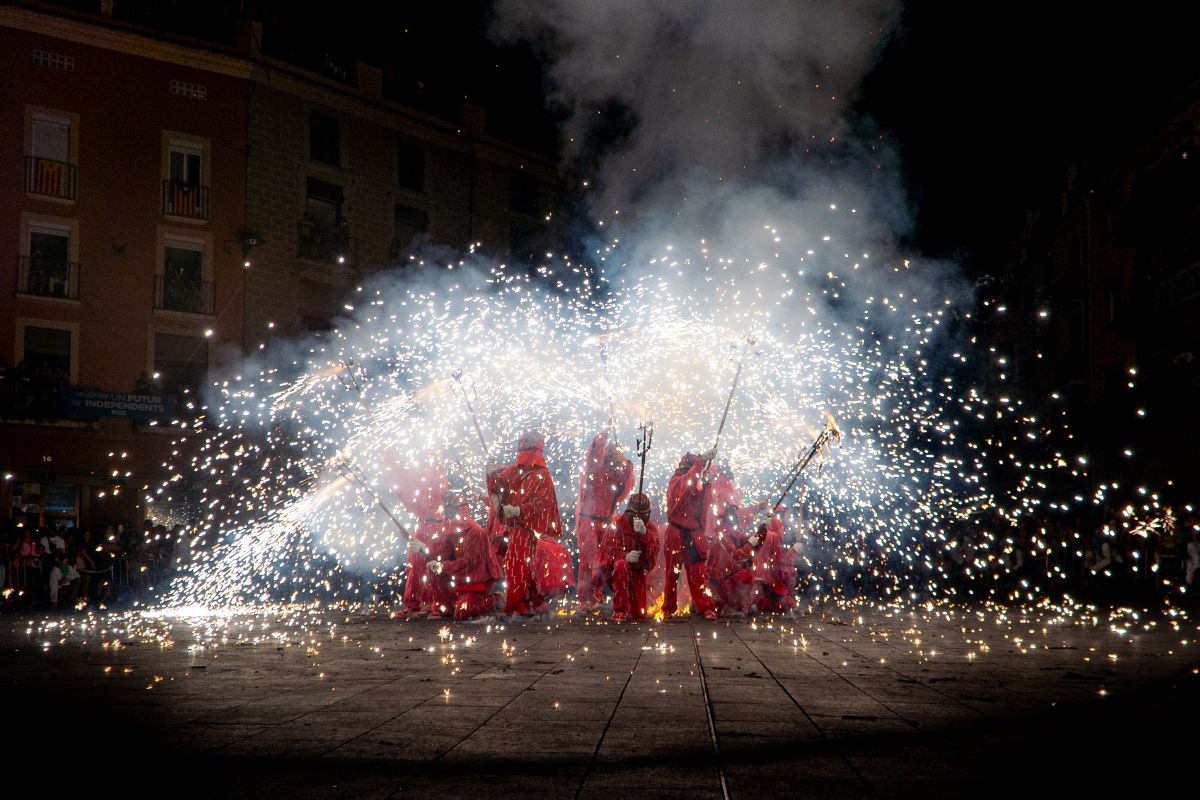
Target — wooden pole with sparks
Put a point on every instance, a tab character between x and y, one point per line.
471	410
831	432
729	401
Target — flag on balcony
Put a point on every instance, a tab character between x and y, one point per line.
48	178
186	202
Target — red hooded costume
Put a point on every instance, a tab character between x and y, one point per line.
527	485
494	527
470	570
606	480
774	572
422	492
729	550
686	549
628	581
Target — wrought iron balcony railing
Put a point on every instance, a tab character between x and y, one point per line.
332	250
42	279
184	200
50	178
182	293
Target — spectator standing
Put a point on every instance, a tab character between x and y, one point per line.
63	581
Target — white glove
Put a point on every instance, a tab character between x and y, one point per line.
633	556
708	455
420	547
639	527
435	567
511	511
754	541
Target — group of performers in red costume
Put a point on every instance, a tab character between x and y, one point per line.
732	557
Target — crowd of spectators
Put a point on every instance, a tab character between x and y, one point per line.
1123	554
31	392
69	567
1129	553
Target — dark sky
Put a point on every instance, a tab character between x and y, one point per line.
988	104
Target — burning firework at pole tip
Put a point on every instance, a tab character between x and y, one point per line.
831	433
737	375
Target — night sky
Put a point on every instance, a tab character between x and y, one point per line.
987	105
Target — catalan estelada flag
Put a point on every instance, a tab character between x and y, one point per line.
48	177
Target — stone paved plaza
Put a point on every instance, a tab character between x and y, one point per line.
837	703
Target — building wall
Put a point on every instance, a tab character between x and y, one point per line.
1120	345
118	93
127	90
466	194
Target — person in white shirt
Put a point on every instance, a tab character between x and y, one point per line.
52	542
64	579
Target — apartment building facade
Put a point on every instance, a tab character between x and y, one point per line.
170	202
122	201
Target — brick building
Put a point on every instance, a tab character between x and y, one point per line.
122	201
176	190
344	179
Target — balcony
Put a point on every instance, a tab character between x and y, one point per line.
328	249
49	178
183	293
43	279
186	200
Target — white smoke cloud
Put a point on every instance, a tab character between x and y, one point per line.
718	93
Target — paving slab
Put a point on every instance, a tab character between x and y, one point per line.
843	703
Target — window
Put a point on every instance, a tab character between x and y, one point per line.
51	138
411	225
48	168
324	143
322	231
181	286
54	60
181	362
60	501
38	504
185	164
47	271
523	239
315	324
412	166
524	192
1112	302
47	347
184	191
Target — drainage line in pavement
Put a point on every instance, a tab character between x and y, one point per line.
712	725
600	742
796	703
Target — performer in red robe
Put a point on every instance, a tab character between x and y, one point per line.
494	526
730	553
774	570
686	549
606	480
470	571
529	509
627	556
421	490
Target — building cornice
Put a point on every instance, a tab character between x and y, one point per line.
120	41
